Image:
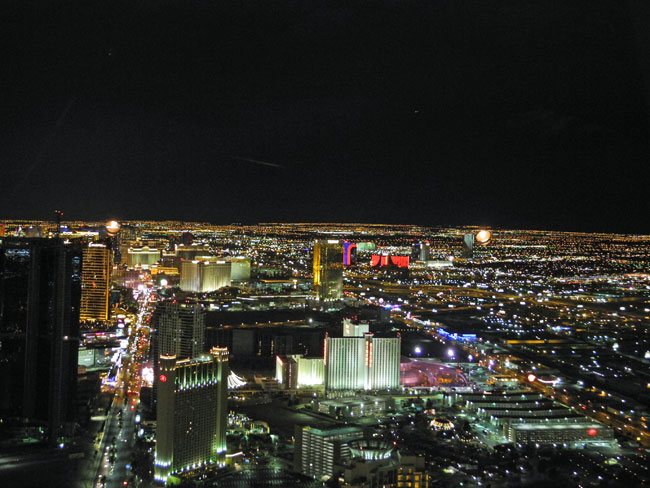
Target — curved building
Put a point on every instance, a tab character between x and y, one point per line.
416	372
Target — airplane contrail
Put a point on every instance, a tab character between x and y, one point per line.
255	161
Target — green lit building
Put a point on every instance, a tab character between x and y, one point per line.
328	269
192	413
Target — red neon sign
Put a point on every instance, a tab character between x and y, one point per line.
162	378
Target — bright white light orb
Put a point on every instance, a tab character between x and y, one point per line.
483	236
112	227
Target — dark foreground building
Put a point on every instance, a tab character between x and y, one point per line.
40	292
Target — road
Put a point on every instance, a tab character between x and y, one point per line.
116	449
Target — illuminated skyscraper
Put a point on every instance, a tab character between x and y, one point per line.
95	282
192	413
362	363
328	269
40	291
179	329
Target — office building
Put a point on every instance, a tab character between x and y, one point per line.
322	454
328	269
192	413
95	282
205	274
40	294
362	363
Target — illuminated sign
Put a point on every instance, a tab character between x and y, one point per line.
531	377
162	378
592	432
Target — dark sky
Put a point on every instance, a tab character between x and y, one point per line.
528	113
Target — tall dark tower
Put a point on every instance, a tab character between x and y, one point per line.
40	292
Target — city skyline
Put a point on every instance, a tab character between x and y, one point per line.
522	362
325	244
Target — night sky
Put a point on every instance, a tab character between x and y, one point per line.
510	113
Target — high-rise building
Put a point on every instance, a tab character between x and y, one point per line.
468	245
362	363
40	292
179	329
192	413
323	453
294	370
286	372
328	269
349	254
205	274
421	251
95	282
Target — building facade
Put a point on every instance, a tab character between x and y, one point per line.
179	329
40	294
328	269
205	274
295	370
192	413
362	363
142	257
95	282
323	453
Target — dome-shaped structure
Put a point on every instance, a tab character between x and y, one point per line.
372	449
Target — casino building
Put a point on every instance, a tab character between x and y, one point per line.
191	414
365	362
